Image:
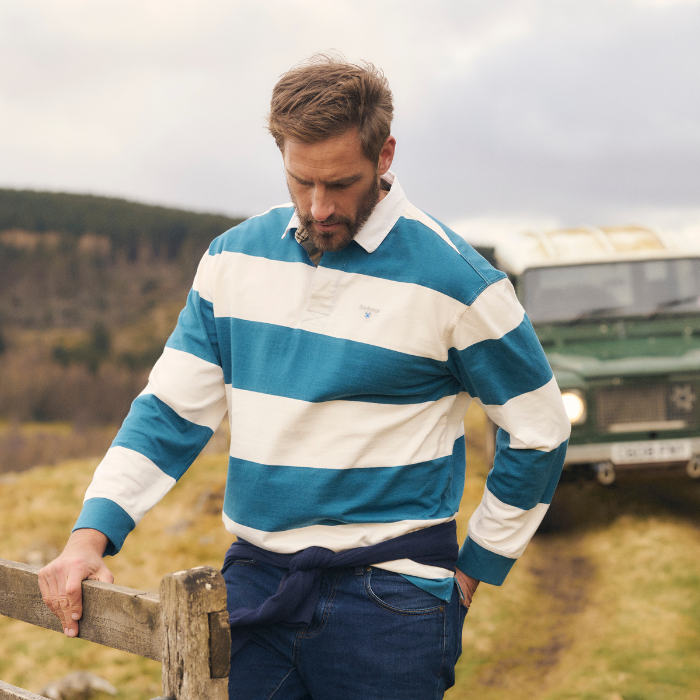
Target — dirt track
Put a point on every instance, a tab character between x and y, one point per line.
602	606
562	577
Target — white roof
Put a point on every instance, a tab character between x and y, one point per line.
588	244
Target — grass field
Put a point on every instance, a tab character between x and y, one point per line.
608	609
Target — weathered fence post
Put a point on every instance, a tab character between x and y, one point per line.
196	637
186	627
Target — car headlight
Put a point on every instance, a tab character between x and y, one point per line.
574	405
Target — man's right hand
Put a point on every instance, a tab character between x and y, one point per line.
61	580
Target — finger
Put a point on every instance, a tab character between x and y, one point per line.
103	574
52	585
70	626
44	588
467	586
74	596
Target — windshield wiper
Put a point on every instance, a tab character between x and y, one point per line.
594	313
660	308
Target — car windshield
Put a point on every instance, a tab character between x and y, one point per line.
637	288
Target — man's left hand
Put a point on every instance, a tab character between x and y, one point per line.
468	586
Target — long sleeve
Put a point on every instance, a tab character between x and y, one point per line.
168	425
500	363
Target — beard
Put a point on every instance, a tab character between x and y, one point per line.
337	240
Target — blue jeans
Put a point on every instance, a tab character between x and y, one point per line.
374	635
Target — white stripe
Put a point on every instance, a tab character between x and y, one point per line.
504	529
296	295
205	276
192	387
495	312
337	538
205	272
393	309
277	430
536	420
413	212
412	568
131	480
258	289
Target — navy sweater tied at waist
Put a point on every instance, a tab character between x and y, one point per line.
297	596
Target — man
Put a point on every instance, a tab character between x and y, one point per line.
346	335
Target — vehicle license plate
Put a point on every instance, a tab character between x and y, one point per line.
651	451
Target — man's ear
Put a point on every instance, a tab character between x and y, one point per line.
386	156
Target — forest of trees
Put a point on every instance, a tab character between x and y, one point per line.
90	289
69	260
131	227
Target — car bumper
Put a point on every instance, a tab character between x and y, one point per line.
635	453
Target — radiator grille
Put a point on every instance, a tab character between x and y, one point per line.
646	408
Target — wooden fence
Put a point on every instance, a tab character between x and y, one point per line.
185	627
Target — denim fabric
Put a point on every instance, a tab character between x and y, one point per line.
296	599
374	635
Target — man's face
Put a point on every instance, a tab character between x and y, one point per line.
334	186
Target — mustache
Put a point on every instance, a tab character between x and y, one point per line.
309	220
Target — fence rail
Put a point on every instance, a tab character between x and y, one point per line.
185	627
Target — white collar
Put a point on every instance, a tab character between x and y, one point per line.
381	220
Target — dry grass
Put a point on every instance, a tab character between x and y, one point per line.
607	610
26	445
37	511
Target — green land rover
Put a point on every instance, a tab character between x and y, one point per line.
617	311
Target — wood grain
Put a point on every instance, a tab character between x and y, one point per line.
188	598
118	617
186	626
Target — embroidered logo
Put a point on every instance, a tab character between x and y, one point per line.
368	310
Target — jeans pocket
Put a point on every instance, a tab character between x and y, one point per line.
395	593
463	610
240	562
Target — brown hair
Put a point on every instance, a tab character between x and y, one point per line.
325	96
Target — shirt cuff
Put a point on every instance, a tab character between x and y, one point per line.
482	564
107	517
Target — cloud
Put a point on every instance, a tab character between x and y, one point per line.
511	107
580	116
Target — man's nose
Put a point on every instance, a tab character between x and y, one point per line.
322	206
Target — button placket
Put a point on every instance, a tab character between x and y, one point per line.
321	296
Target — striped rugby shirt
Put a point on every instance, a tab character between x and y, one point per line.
346	386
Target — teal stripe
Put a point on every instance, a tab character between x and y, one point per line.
524	478
414	253
482	564
154	430
496	371
107	517
439	587
282	361
278	498
261	236
195	332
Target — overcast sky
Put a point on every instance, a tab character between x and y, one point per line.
564	111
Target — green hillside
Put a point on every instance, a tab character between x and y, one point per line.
69	260
132	228
90	289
